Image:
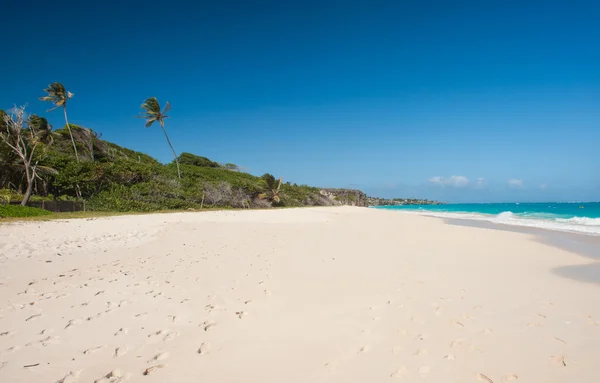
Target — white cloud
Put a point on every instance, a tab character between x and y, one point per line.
480	183
515	183
453	181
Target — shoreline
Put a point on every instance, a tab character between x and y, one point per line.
486	220
583	244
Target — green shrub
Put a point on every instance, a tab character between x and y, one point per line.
194	160
7	211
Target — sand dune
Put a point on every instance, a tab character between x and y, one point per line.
299	295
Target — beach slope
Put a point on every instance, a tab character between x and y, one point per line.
296	295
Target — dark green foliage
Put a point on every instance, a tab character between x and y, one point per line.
7	211
194	160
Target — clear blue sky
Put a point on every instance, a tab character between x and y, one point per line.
451	100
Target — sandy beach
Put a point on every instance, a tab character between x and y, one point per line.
295	295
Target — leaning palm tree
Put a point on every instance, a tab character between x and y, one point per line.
151	113
58	95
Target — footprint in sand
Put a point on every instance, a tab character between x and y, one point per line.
210	308
484	378
363	349
93	350
11	349
204	348
120	351
152	369
486	331
208	325
71	377
509	378
458	324
449	357
158	333
115	376
457	344
401	372
33	317
422	336
159	356
44	342
170	336
122	331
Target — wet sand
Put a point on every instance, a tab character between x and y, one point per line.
585	245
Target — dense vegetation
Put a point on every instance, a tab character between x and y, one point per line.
74	163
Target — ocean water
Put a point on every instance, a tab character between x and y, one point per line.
576	217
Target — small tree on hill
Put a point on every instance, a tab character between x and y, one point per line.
26	139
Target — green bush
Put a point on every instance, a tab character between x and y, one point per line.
7	211
194	160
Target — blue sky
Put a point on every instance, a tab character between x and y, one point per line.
465	101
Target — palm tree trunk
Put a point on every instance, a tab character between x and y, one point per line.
71	134
174	154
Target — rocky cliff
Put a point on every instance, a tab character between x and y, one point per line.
374	201
345	197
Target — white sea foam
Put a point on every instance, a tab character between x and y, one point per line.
583	225
581	221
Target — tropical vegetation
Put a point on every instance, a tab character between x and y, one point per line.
73	163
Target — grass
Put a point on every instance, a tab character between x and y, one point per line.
18	211
50	216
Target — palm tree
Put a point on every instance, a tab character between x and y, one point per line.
58	95
151	113
273	187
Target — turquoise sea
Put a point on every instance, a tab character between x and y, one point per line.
577	217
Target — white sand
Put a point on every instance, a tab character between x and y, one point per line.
305	295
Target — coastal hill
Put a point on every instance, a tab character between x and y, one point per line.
113	178
375	201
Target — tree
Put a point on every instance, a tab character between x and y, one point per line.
233	167
41	128
151	113
58	95
24	139
273	188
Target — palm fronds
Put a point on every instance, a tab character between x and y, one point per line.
151	112
57	95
